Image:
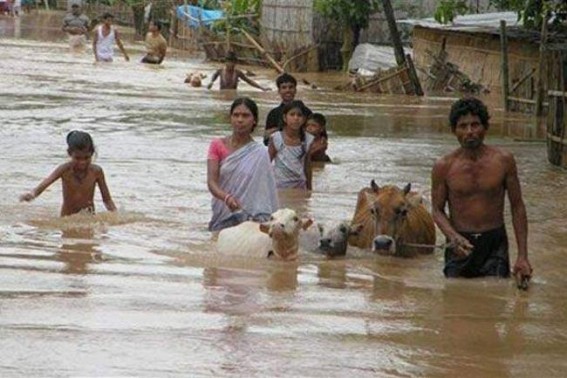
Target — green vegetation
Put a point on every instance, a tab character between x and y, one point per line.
447	10
353	16
234	10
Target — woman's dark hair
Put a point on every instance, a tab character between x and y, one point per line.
79	141
285	78
466	106
250	104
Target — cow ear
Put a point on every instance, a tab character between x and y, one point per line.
370	198
264	228
407	188
374	186
306	223
414	200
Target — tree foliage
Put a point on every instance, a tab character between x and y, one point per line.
348	12
533	12
447	10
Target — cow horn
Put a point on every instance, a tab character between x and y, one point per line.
407	188
374	186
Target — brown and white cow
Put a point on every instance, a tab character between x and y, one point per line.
392	219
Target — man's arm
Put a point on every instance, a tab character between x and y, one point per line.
241	75
439	198
519	217
119	43
214	78
105	193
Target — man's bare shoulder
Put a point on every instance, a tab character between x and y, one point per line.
446	160
96	169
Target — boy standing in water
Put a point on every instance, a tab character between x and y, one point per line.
103	42
76	24
229	75
287	89
79	178
156	45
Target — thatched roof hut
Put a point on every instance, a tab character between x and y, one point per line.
472	43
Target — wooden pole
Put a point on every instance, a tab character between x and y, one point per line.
413	76
228	27
263	52
396	40
541	67
504	65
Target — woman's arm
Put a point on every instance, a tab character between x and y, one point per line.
272	148
213	174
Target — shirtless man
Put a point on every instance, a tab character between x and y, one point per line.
229	75
473	180
156	45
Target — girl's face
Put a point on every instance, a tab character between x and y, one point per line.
81	159
294	119
313	128
242	119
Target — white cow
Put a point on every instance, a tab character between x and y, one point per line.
276	238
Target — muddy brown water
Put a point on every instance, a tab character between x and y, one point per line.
143	293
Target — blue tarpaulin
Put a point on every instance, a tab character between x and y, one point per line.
207	17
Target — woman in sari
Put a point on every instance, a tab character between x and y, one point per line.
239	173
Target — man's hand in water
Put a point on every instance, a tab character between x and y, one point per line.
461	246
522	267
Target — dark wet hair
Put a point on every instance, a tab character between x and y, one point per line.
79	141
297	104
285	78
466	106
321	120
250	104
107	15
231	57
157	24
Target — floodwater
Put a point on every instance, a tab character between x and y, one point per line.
143	293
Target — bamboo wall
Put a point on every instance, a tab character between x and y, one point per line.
477	55
557	112
287	24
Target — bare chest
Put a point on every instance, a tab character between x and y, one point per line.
476	178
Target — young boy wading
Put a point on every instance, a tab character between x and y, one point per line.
474	180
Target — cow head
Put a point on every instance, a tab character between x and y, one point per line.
334	240
283	227
389	207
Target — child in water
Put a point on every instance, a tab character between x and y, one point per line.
317	126
79	178
290	149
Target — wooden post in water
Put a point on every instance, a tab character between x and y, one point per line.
541	68
399	48
504	65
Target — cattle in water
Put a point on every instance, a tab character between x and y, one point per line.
333	240
392	220
278	238
194	79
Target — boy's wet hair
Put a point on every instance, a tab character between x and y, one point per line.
107	15
230	57
80	141
466	106
250	104
319	118
285	78
157	24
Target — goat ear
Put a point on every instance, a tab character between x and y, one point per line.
264	228
306	223
375	188
355	229
407	188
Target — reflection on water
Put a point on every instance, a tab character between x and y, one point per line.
142	292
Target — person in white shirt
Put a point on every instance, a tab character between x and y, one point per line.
105	36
